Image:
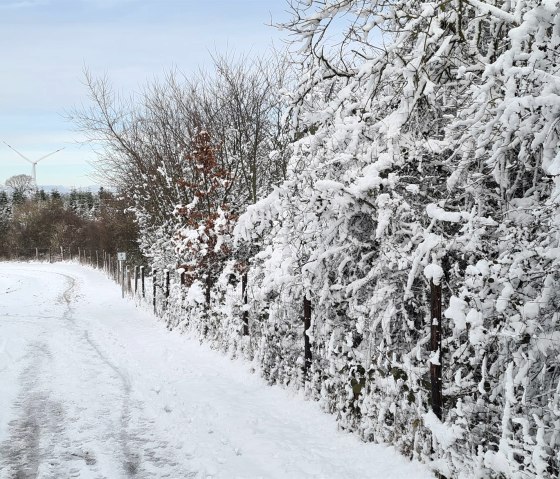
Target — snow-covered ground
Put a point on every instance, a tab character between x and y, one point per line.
93	387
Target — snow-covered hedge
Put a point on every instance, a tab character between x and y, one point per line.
429	155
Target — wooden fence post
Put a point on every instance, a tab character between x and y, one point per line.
245	312
435	346
208	293
135	280
306	340
154	274
142	275
128	280
167	281
183	283
122	274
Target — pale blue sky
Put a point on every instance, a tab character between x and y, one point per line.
45	44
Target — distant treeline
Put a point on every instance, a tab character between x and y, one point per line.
47	221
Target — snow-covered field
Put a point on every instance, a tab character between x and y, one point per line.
93	387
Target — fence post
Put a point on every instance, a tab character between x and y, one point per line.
166	289
61	254
37	254
135	280
79	255
306	327
182	282
128	280
122	273
208	293
245	312
154	274
97	259
435	346
50	256
143	284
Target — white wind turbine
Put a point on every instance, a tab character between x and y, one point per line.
33	163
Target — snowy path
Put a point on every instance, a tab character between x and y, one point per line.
92	387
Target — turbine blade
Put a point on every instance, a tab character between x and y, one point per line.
24	157
43	157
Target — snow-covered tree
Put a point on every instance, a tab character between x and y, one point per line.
202	238
146	140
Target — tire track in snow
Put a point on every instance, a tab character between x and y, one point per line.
38	442
24	451
36	436
39	423
131	462
141	449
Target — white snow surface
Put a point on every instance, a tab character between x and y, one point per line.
94	387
